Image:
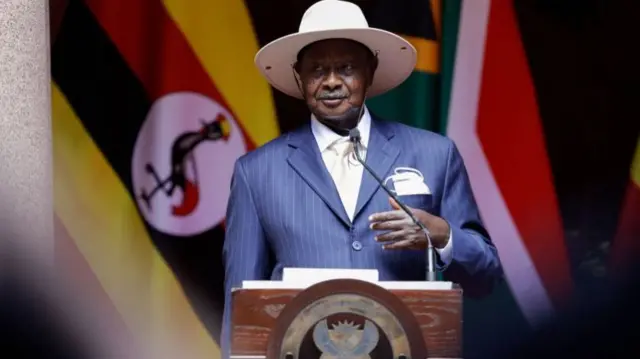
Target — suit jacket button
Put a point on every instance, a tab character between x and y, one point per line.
356	245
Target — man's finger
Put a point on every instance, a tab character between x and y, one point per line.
409	243
387	216
395	205
391	225
394	235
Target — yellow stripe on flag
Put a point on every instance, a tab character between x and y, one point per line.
428	54
101	217
221	34
635	166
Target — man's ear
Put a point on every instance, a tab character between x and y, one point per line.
296	71
373	67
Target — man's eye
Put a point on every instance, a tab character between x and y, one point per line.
317	70
348	68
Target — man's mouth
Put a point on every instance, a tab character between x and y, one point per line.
333	102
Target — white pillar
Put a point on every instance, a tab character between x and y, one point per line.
26	193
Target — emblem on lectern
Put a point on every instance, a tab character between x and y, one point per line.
346	319
345	340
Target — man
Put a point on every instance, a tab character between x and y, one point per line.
302	200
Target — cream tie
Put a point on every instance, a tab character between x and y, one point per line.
345	175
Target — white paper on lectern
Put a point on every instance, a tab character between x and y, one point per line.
388	285
301	278
310	276
415	285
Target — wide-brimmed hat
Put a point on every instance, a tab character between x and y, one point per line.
336	19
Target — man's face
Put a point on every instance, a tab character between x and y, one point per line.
335	75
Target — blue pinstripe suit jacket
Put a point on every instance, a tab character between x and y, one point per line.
284	211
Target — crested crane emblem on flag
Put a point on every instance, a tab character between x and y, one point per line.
183	162
181	157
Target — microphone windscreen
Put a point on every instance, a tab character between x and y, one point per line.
354	134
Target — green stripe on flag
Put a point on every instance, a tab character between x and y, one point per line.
423	100
448	43
414	103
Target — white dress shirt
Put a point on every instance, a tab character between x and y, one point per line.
325	137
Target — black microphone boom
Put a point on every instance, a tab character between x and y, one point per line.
354	137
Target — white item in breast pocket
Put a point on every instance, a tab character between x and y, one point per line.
408	181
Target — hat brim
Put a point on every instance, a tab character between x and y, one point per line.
396	58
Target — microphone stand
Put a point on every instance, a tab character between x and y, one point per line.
354	137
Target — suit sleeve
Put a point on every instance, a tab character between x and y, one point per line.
245	251
474	263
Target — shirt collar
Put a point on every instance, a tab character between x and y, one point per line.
325	136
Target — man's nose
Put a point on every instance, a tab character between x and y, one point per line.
332	81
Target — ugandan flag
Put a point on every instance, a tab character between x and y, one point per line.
153	101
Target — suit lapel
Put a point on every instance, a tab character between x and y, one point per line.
382	152
306	160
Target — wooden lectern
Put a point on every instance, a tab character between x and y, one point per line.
432	319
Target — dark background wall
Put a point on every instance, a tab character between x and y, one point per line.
584	66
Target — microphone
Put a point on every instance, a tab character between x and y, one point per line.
354	137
